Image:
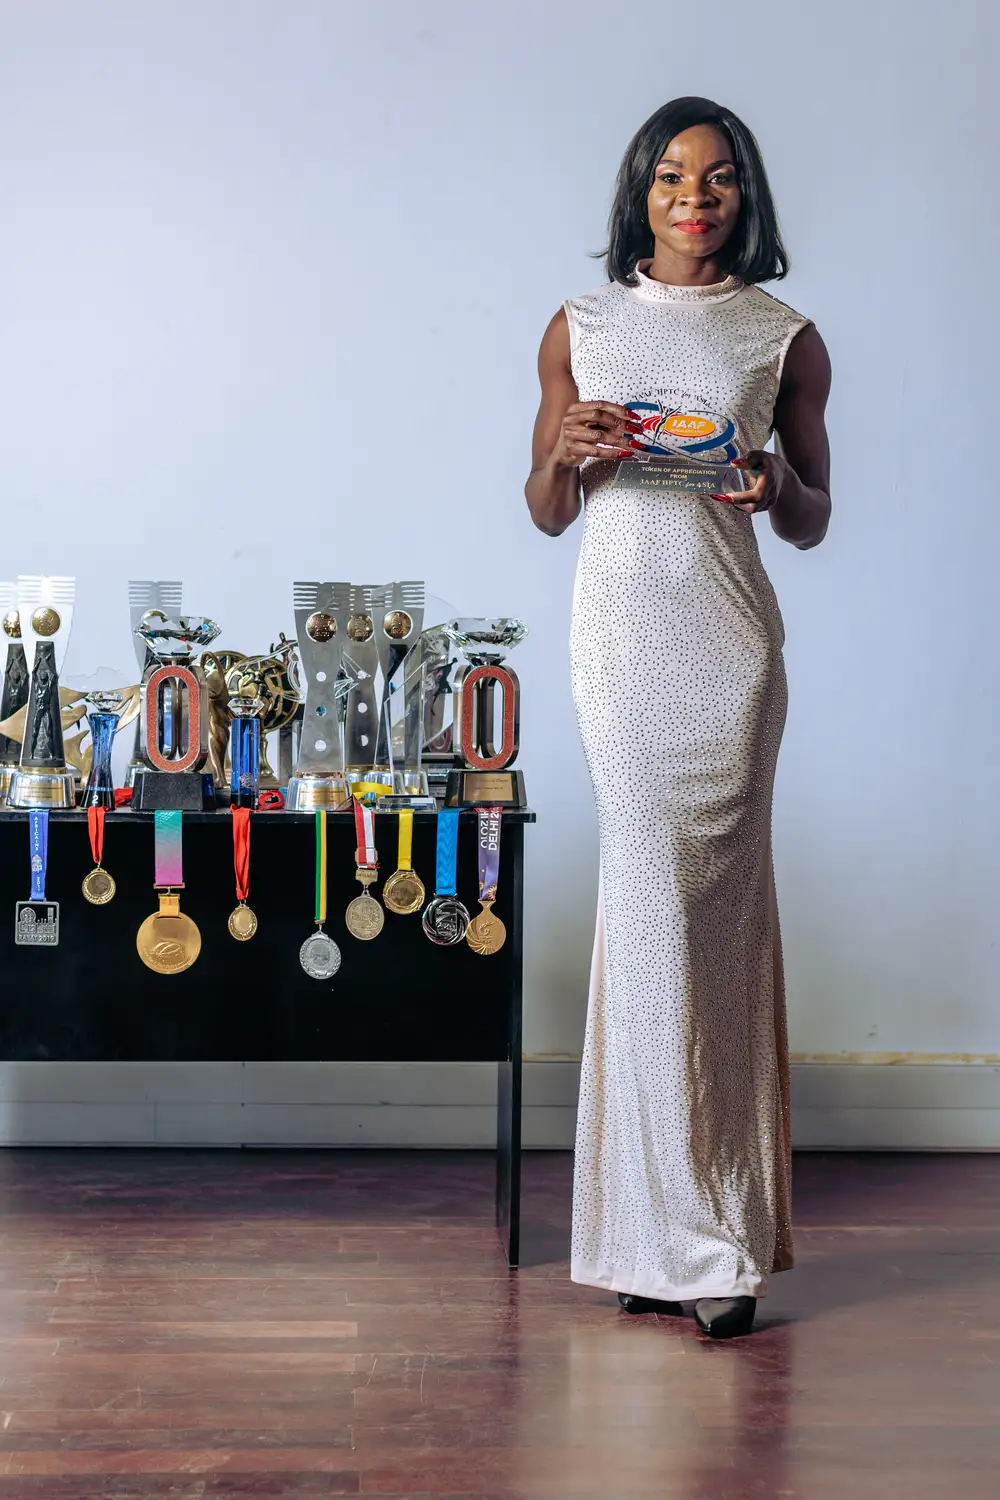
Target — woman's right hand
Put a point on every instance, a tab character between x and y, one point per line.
594	429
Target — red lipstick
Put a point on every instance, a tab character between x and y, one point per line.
694	226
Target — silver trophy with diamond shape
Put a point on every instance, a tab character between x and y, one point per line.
323	622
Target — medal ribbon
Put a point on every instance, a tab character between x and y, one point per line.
241	850
364	823
168	854
404	860
446	883
489	853
321	866
38	843
95	827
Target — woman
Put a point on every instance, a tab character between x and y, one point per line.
682	1167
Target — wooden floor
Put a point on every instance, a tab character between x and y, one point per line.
304	1325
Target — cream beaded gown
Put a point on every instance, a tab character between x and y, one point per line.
682	1156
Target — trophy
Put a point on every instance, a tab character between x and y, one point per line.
42	778
397	614
144	594
105	701
272	679
682	451
485	779
14	692
173	724
324	624
245	753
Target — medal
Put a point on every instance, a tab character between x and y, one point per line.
36	921
319	954
98	885
446	919
404	891
365	917
486	933
242	921
168	942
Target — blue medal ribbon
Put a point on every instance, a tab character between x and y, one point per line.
38	839
446	883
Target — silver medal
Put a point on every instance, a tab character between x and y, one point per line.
319	956
445	921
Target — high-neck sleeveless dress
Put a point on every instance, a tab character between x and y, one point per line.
682	1171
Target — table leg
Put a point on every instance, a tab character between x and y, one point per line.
508	1197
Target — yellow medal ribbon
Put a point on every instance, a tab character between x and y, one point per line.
363	789
404	859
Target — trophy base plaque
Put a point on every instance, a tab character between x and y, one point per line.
486	789
309	791
173	791
6	776
37	787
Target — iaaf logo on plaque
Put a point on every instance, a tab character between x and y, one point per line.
680	429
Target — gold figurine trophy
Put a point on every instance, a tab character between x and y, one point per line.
16	679
42	778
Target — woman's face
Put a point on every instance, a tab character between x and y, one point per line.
694	201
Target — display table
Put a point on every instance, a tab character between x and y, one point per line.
396	999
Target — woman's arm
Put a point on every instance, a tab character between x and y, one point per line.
567	431
795	483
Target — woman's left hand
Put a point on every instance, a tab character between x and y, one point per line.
768	471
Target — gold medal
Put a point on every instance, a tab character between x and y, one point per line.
98	887
365	917
242	923
168	941
403	893
486	933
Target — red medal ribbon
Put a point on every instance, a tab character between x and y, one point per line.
364	823
95	827
241	851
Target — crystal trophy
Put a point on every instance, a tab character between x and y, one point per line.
244	753
42	778
105	701
274	680
323	620
173	725
145	594
485	778
14	691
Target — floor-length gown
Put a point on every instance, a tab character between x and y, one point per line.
682	1160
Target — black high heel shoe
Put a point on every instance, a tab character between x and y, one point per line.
637	1305
725	1317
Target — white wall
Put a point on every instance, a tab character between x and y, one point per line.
272	279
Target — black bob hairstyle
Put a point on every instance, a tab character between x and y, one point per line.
754	252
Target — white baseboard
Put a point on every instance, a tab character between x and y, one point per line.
913	1106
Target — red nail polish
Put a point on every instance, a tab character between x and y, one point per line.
624	452
726	499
